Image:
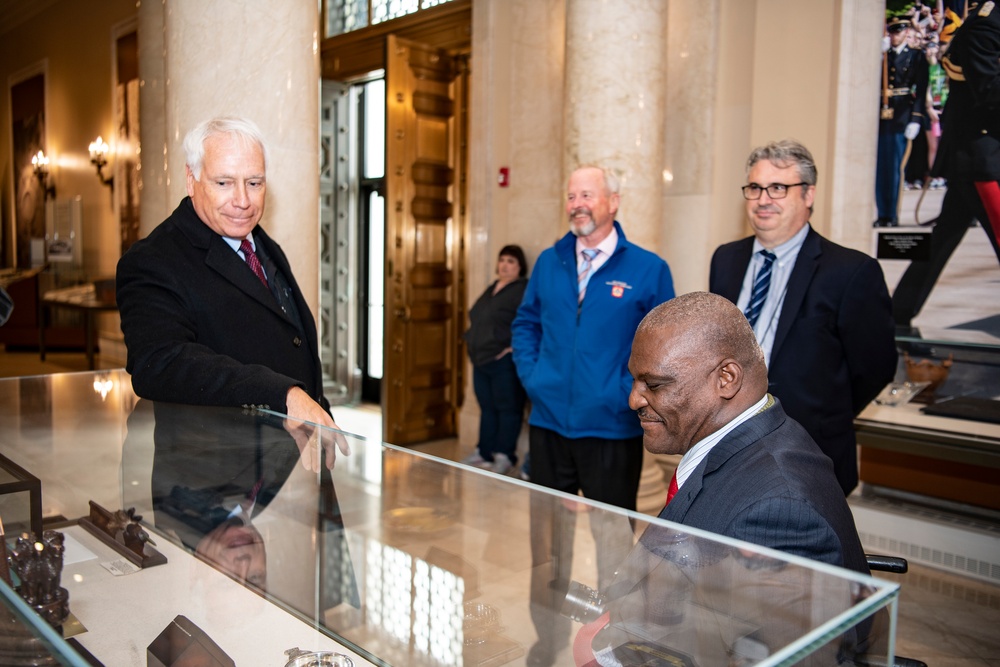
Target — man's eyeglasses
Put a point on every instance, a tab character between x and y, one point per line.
774	190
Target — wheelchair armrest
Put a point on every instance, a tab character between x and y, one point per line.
881	563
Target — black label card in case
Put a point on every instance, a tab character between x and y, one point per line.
904	245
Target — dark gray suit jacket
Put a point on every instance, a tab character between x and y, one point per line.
834	348
767	482
201	329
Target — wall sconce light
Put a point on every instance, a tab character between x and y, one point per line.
40	163
99	158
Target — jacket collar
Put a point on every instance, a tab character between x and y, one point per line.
741	437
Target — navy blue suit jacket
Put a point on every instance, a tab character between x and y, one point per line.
201	329
767	482
834	347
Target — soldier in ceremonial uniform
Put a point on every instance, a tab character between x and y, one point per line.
901	116
968	156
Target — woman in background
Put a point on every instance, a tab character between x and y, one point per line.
498	390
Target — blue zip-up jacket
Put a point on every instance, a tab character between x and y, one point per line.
573	360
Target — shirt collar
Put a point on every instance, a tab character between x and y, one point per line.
700	450
235	243
787	248
607	246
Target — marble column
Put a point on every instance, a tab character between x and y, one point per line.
615	109
154	169
223	58
615	102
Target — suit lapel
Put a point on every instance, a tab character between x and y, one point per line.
735	441
732	280
798	285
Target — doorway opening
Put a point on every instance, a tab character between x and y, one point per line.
352	258
371	246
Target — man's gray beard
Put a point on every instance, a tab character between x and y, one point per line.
586	230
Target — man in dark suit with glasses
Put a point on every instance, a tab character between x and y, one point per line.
820	311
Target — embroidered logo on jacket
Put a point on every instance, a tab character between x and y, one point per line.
618	288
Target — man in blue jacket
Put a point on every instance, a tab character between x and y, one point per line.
571	339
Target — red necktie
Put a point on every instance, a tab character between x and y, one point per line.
252	260
672	491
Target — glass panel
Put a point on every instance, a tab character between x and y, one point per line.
385	10
374	141
345	15
278	534
27	640
376	283
15	510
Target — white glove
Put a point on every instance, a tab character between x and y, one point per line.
885	43
911	131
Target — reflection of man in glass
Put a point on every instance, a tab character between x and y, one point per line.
237	548
214	469
233	544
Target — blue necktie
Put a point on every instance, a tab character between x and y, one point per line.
583	277
760	286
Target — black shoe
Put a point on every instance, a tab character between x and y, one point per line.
885	222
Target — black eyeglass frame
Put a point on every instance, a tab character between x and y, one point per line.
761	189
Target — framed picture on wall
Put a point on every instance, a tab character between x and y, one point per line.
27	105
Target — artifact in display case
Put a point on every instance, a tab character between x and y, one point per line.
36	567
122	531
299	658
184	644
932	374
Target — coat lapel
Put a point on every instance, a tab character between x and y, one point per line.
220	257
732	280
798	285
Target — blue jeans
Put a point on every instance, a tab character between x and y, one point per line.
501	400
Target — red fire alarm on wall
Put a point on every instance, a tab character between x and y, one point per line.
503	178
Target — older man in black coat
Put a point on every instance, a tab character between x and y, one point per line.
210	310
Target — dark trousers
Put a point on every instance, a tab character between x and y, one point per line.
891	147
605	470
962	204
501	402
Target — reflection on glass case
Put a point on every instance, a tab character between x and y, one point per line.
281	537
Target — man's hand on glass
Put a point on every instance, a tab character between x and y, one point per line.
305	414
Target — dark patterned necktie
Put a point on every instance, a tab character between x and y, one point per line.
760	286
252	260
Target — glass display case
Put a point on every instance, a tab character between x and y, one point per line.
280	535
943	443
